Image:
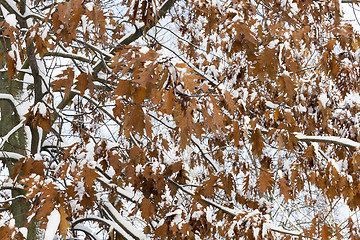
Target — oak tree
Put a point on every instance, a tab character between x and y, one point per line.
166	119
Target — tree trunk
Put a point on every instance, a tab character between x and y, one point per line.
9	118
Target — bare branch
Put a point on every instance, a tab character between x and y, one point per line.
68	55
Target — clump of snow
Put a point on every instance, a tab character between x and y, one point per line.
265	228
75	206
256	232
12	223
286	166
350	99
253	96
196	215
90	154
177	219
156	166
271	105
138	169
40	108
294	8
111	145
230	232
80	190
37	156
89	6
209	214
45	32
161	222
23	231
273	44
302	109
286	73
11	20
144	50
323	99
52	225
87	25
265	203
12	54
336	165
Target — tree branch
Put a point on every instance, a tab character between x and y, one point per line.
128	39
231	211
112	224
328	139
68	55
121	221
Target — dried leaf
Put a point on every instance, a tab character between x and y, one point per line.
257	141
147	209
64	223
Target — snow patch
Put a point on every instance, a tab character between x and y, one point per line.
37	157
209	214
196	215
256	232
144	50
80	190
89	6
12	223
336	165
11	20
23	231
40	108
294	8
302	109
273	44
52	225
323	99
45	32
271	105
265	228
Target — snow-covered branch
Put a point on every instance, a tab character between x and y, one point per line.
86	230
5	138
127	226
12	199
130	196
10	155
112	224
328	139
230	211
11	6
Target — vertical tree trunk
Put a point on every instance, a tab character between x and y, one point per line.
9	118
